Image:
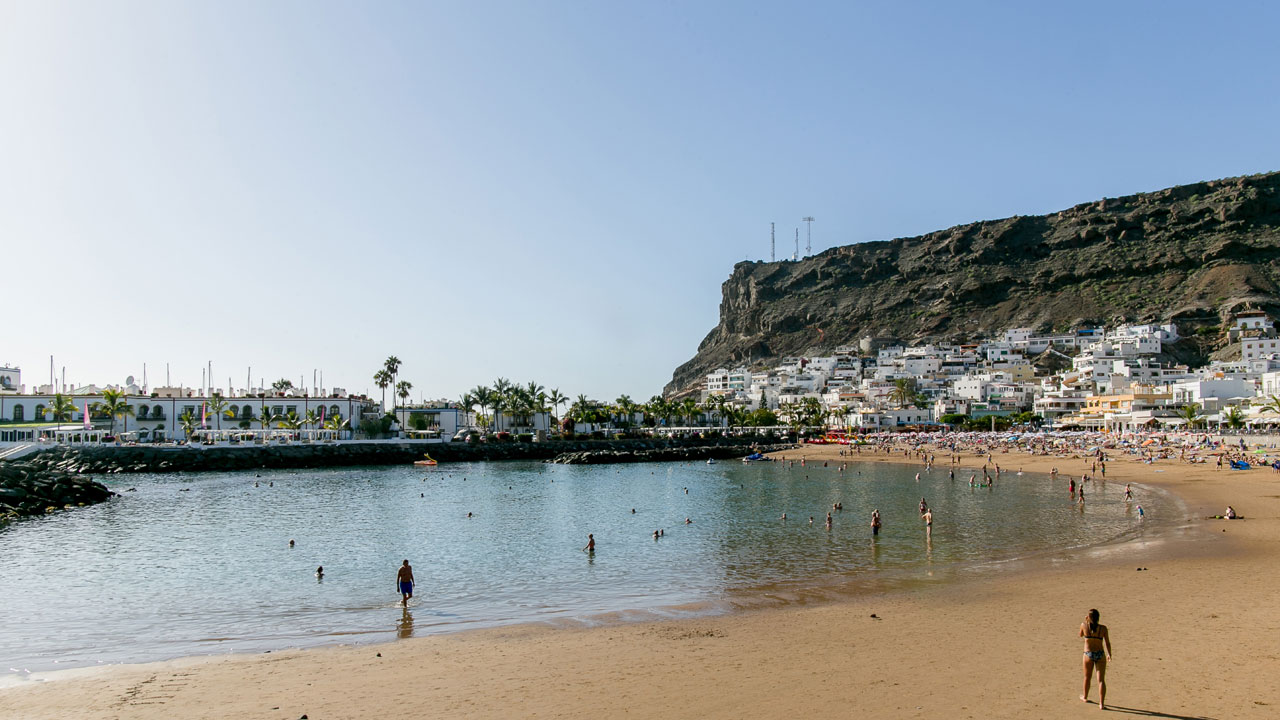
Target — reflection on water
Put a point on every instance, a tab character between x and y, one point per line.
201	563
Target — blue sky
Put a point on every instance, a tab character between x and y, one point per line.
549	191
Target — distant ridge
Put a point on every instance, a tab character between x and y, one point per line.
1192	253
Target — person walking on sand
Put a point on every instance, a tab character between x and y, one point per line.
404	579
1097	651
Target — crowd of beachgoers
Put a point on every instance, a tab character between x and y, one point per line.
1184	447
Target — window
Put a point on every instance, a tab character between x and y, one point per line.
142	412
18	412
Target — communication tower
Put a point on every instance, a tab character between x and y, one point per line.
808	243
772	244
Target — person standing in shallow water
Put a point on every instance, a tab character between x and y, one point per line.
1097	651
404	579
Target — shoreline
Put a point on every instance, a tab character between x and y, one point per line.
664	658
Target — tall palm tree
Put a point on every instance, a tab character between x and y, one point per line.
311	419
115	403
483	397
556	399
466	403
392	366
904	391
62	407
290	421
689	409
382	379
499	400
216	407
267	417
403	389
1233	417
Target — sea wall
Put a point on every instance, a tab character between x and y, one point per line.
34	486
141	458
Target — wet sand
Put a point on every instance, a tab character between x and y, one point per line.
1194	637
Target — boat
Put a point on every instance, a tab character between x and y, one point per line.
711	461
755	457
426	461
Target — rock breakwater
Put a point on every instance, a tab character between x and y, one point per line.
109	460
35	486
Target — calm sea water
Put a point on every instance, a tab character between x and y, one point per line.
200	563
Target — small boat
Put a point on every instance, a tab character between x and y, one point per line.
711	461
754	457
426	461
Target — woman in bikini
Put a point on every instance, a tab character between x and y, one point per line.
1096	639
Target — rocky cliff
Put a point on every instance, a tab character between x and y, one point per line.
1192	254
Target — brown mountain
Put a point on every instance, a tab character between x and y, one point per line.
1192	254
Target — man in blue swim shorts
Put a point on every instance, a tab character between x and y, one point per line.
404	578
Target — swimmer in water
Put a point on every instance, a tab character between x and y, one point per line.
291	542
320	572
591	544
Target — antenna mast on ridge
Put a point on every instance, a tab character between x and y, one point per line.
773	255
797	255
808	243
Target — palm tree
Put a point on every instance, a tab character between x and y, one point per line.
689	409
626	408
403	389
62	407
337	423
1233	417
811	410
904	390
465	403
392	366
282	384
291	421
382	379
557	398
1191	413
267	417
216	407
501	394
188	423
1272	405
115	403
483	397
311	418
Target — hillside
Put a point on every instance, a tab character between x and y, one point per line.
1193	254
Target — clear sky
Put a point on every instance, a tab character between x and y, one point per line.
549	190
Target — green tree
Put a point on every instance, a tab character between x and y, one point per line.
290	421
311	419
403	391
266	418
382	379
62	407
904	391
392	366
1233	417
954	419
556	399
115	403
1192	414
484	398
337	423
282	384
217	406
188	423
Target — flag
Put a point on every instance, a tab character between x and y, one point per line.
322	415
86	416
203	408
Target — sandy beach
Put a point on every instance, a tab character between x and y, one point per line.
1194	637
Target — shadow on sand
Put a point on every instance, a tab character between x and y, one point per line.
1154	713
